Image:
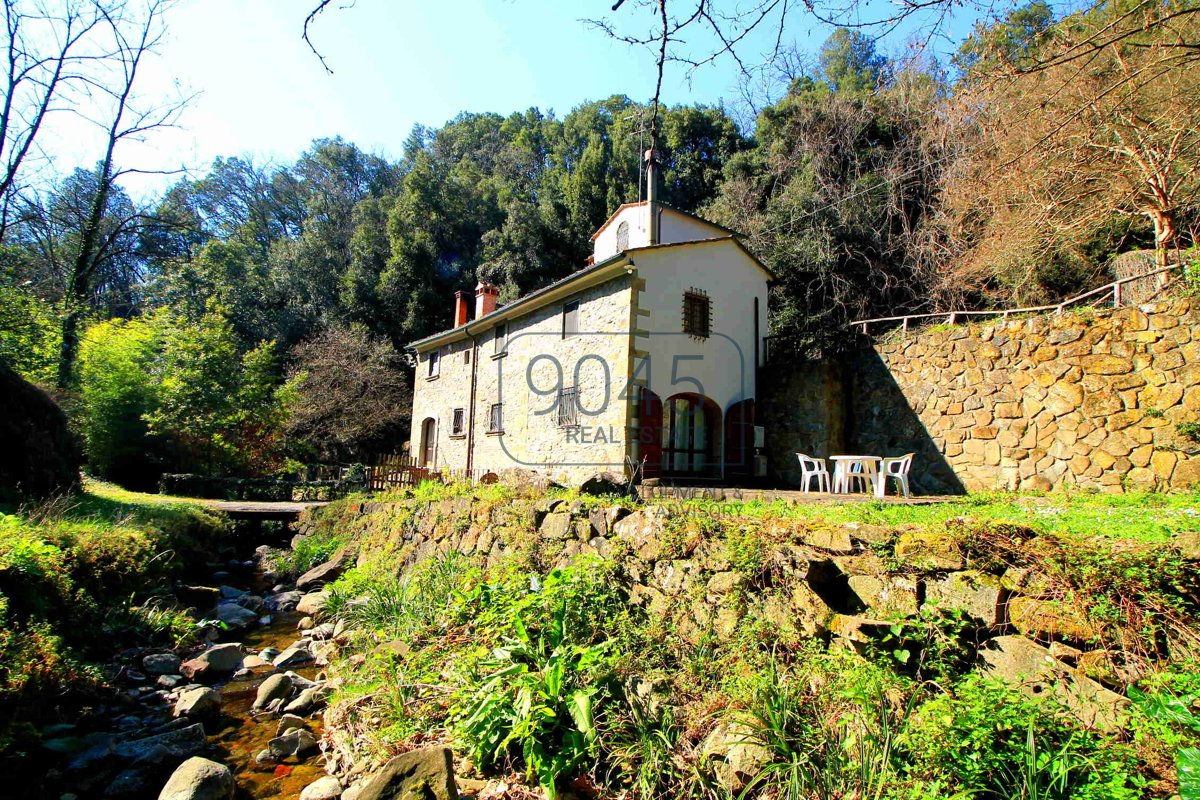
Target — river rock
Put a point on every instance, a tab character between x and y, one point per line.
312	603
295	742
129	783
176	745
199	779
427	773
276	687
203	703
287	722
306	624
310	700
283	601
236	616
161	664
221	659
230	592
327	788
198	596
325	573
295	655
322	632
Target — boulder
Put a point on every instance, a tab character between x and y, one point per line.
735	756
1032	670
1049	619
283	601
173	745
325	573
294	742
1188	543
930	551
230	592
327	788
203	703
976	593
310	700
199	779
198	596
294	656
643	532
427	773
557	525
222	658
275	687
161	664
312	603
889	596
235	615
604	483
287	722
129	783
39	456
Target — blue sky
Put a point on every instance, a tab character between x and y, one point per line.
396	63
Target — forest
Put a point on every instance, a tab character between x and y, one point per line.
253	318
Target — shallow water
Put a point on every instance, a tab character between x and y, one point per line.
243	735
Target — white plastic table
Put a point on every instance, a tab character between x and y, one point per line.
841	472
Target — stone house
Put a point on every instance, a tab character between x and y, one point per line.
647	356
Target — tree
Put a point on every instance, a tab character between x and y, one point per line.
353	395
1067	155
49	51
133	38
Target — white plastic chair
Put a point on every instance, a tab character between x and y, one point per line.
862	472
813	468
898	468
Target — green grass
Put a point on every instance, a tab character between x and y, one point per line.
1144	517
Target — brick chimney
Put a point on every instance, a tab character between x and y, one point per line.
485	298
460	308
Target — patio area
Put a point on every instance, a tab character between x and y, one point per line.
728	493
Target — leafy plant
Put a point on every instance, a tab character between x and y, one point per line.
1179	711
539	701
1189	431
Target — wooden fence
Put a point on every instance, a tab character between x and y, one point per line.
400	471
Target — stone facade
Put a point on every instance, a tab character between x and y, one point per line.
596	361
1090	399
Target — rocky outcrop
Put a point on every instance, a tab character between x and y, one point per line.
39	456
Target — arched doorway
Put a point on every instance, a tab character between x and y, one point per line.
739	439
650	433
691	428
428	454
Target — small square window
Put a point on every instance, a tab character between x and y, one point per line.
434	363
496	418
457	427
568	407
570	318
500	338
697	313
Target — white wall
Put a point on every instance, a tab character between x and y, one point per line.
638	217
725	363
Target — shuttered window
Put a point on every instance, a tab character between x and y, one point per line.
570	318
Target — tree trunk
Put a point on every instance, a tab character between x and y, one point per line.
1164	235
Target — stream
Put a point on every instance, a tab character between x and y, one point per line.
126	749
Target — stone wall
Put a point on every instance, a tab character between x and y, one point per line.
1089	399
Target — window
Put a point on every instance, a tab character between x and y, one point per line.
434	364
697	313
622	237
570	318
496	418
568	406
500	338
467	356
457	428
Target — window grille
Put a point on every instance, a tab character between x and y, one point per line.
570	318
568	406
622	237
457	427
697	313
434	363
496	418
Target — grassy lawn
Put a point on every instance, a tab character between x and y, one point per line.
1151	518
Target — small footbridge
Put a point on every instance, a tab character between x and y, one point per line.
253	513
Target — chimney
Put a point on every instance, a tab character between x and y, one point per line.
460	308
652	163
485	298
